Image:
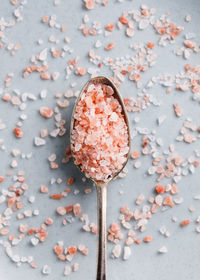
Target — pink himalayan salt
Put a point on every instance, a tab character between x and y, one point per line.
100	134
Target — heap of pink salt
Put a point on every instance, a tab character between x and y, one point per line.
100	135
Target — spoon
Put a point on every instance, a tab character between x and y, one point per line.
102	186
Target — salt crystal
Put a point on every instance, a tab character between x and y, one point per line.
178	200
31	199
39	141
144	23
2	198
137	164
75	267
67	270
130	32
174	219
86	18
186	54
36	212
46	269
55	75
159	141
54	132
14	164
116	252
152	170
163	250
192	168
127	253
16	258
43	93
15	241
198	229
140	199
161	119
162	230
43	133
43	55
188	18
98	44
61	211
52	157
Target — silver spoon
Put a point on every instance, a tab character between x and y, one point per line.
100	185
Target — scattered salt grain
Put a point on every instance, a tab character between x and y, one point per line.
39	141
163	250
61	211
46	269
137	164
188	18
116	252
31	199
161	119
127	253
43	55
143	24
43	94
34	241
67	270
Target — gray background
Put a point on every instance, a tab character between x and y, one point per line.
182	259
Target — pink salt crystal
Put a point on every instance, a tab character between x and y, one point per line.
129	241
76	209
178	111
140	199
100	134
61	211
189	138
75	267
109	90
46	112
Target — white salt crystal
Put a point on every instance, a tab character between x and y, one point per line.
28	213
31	199
178	200
52	157
43	55
98	44
144	23
39	141
36	212
186	54
16	258
43	93
127	253
34	241
161	119
14	164
163	250
116	252
86	18
137	164
46	269
54	132
67	270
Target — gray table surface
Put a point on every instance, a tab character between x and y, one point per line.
182	259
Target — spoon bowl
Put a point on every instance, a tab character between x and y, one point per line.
102	186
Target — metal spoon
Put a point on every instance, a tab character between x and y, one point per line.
100	185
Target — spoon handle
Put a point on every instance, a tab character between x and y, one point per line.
101	258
